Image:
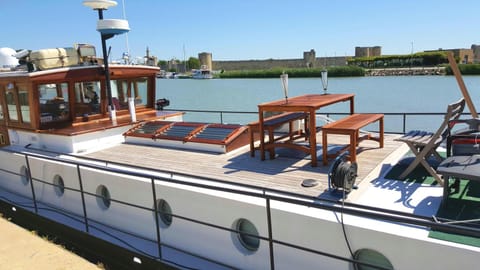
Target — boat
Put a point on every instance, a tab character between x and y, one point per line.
203	73
149	189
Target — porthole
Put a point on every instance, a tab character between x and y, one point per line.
247	234
24	175
103	197
371	257
58	185
164	212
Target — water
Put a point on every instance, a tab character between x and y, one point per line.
395	94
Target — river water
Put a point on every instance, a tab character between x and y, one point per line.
392	94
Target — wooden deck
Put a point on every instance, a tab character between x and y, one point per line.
286	172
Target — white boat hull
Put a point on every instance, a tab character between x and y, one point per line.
406	247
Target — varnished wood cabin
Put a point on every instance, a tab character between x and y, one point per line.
63	99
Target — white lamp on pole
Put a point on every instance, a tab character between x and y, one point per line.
284	79
324	74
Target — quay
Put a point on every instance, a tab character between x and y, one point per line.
22	249
408	71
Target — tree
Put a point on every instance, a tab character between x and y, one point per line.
162	63
193	63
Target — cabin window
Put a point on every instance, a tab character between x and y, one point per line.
247	234
120	94
3	140
18	107
140	89
24	175
11	105
53	100
1	112
371	257
24	104
124	89
103	197
164	213
59	185
87	98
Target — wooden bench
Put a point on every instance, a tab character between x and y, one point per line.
270	124
351	126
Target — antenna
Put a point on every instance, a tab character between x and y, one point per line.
127	58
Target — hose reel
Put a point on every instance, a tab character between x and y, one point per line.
342	174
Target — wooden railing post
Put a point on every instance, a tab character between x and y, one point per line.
461	84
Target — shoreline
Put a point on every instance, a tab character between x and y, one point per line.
410	71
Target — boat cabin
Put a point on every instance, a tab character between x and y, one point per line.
67	98
60	102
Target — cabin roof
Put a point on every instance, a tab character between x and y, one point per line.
24	73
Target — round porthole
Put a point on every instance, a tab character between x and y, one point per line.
247	234
371	257
103	197
164	212
58	185
24	175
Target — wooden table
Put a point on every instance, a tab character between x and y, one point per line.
307	103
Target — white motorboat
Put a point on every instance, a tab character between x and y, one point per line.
203	73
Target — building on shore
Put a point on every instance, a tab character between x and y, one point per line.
205	59
368	51
476	53
464	56
150	60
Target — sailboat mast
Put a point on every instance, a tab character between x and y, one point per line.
184	60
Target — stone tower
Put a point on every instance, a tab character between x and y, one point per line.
309	58
476	53
205	59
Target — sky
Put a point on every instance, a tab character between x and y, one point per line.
245	29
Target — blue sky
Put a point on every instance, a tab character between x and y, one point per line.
246	29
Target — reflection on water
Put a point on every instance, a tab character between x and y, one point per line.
413	94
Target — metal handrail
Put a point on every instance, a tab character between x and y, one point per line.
253	191
404	115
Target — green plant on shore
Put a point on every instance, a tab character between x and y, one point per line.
340	71
419	59
465	69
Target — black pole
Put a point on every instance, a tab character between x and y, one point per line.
107	72
105	63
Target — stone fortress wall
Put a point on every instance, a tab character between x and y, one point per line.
310	60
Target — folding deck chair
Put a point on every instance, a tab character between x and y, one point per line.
424	144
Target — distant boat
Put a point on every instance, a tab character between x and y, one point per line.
170	75
203	73
162	74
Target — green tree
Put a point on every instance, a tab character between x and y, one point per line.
193	63
162	63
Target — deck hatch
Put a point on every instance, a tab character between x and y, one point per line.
189	135
149	128
215	133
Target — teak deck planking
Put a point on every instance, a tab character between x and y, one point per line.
284	173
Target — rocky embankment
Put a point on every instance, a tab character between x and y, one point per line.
405	71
